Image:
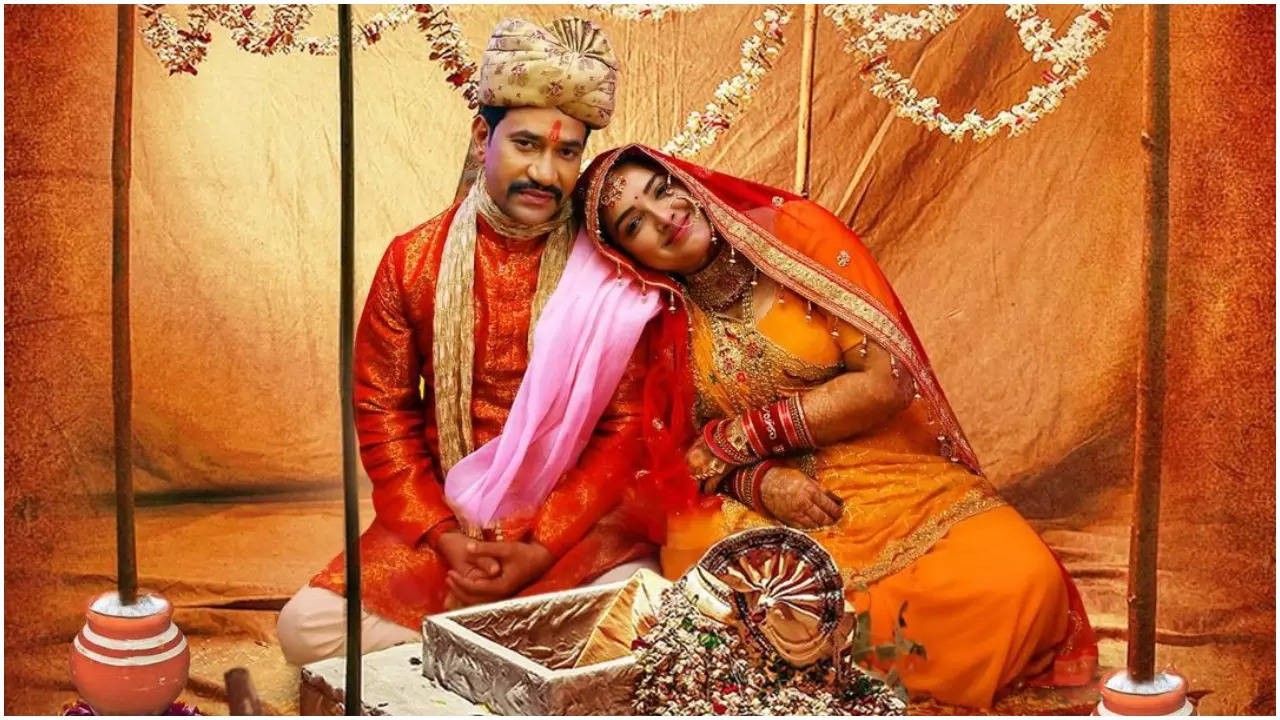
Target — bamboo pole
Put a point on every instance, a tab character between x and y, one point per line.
346	335
121	361
804	119
1149	429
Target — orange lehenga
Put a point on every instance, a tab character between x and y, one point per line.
922	528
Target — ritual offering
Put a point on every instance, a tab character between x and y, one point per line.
759	626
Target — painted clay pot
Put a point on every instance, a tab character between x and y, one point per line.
129	659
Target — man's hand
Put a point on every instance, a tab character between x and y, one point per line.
459	552
798	500
520	563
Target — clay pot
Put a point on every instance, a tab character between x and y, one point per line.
1166	695
129	659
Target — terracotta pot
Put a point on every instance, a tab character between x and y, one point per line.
1166	695
130	659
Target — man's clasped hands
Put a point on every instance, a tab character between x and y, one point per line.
487	571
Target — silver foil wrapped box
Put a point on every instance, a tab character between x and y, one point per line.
519	657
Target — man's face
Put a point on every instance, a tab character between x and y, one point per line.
531	161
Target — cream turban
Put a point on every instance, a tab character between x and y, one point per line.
568	65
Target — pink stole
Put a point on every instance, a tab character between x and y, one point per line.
581	346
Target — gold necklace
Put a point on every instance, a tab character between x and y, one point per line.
721	283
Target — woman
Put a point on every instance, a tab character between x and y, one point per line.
787	385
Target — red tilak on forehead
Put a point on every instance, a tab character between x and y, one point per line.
554	137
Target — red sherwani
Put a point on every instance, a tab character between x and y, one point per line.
402	576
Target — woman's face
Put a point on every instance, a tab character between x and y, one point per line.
653	218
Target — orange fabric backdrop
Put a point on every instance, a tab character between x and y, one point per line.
1018	259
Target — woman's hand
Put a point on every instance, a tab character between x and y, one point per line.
707	469
797	500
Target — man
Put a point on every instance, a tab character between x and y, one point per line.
453	303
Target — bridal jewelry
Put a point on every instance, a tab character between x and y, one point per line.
721	283
612	192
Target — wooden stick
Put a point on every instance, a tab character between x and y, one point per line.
1149	428
804	122
346	335
121	362
242	699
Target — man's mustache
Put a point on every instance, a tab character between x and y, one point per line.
521	185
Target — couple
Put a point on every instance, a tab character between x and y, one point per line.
625	367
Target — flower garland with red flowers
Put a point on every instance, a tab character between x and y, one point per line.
182	49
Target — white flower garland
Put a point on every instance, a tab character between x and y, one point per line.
653	13
1068	55
702	128
181	50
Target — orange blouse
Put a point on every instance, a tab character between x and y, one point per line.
901	495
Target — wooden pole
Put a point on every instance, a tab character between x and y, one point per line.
242	699
121	363
346	335
1149	427
804	121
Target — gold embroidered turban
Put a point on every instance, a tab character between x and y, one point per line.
568	65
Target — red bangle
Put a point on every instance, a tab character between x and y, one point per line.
761	433
778	428
796	425
720	438
745	484
756	483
